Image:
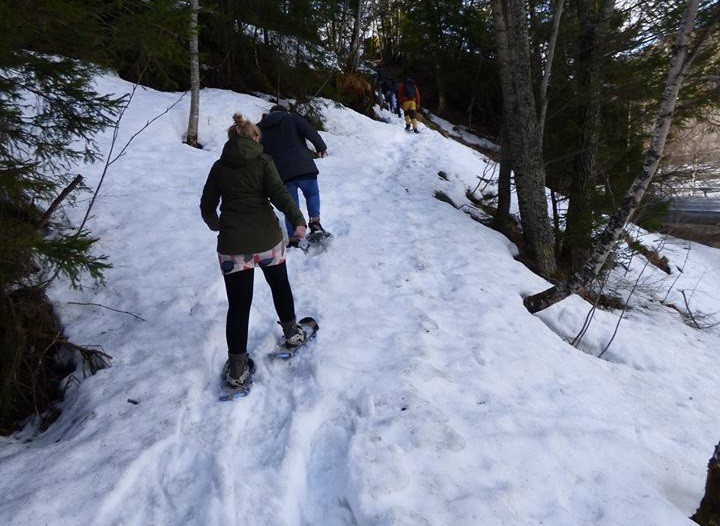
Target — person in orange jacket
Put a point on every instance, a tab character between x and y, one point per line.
409	97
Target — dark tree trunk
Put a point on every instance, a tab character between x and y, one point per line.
708	514
520	119
593	18
354	57
545	82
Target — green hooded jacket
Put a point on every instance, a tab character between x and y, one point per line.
245	181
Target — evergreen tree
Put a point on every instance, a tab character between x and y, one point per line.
589	60
146	42
49	114
447	45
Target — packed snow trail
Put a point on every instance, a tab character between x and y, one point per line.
289	413
430	396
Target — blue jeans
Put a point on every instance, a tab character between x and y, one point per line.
311	192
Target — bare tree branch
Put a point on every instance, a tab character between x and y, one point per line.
622	314
111	160
59	199
108	308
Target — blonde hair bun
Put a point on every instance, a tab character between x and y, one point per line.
242	128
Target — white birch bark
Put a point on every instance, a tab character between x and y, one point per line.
192	131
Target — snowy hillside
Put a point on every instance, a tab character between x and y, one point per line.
431	396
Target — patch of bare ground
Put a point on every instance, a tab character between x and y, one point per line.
706	234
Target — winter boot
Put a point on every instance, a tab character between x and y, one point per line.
315	225
293	242
238	370
293	336
407	127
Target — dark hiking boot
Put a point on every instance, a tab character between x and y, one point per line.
407	127
293	335
315	225
238	370
295	340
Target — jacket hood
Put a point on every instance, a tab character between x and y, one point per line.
273	119
239	151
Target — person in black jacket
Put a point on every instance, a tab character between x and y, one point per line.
284	136
389	90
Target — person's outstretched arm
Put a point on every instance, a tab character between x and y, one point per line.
310	133
209	203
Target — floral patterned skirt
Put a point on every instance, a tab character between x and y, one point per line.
230	263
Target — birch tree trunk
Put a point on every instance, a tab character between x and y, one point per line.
520	118
680	61
192	131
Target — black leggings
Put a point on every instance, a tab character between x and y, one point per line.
239	286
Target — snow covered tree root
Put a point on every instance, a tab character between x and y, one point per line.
708	514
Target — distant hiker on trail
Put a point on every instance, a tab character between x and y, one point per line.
284	136
244	181
380	79
409	97
389	91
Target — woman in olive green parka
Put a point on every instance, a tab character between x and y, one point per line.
245	183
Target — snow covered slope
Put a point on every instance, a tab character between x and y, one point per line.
432	397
